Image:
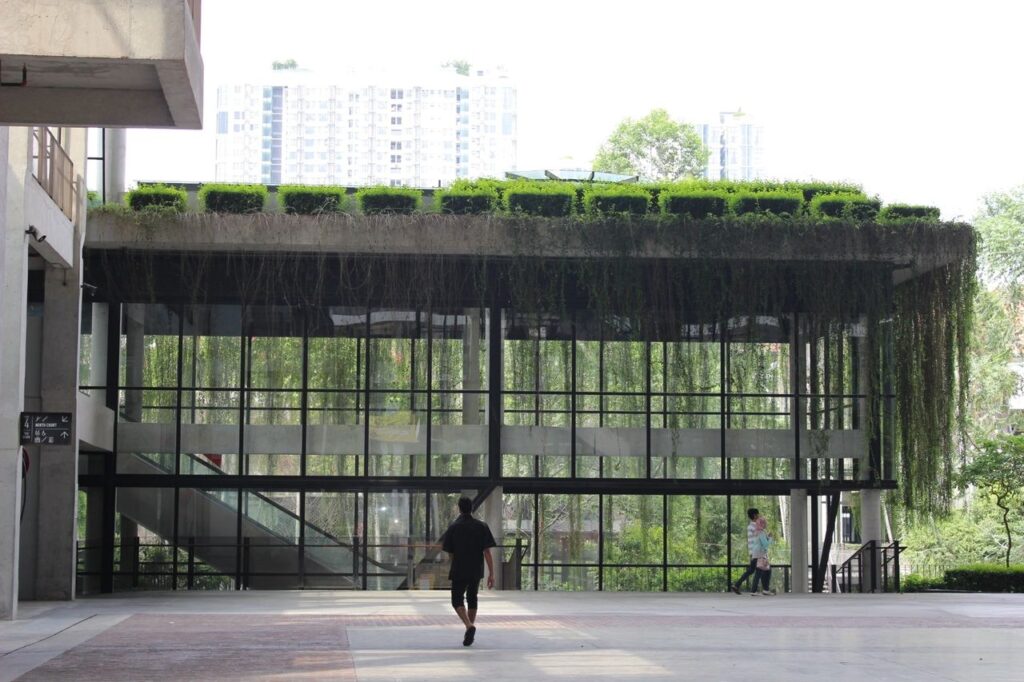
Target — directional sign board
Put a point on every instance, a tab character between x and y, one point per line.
45	428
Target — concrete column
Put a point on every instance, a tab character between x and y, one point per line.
114	154
798	540
492	513
92	555
15	155
471	382
871	530
58	464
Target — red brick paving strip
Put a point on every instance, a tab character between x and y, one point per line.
208	647
255	646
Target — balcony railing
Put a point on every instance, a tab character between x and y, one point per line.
54	171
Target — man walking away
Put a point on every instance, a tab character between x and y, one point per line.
468	540
753	547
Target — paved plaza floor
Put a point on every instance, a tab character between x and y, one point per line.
522	636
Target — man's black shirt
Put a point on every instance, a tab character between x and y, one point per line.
466	539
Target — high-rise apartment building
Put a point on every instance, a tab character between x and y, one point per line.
735	146
295	126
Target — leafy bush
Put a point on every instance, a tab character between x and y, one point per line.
157	195
552	200
813	189
779	203
466	201
308	199
854	206
605	199
400	200
986	578
920	583
223	198
693	203
904	211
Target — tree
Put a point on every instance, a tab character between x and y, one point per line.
998	469
461	66
1001	224
654	147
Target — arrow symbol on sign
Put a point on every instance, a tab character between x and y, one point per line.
64	434
64	419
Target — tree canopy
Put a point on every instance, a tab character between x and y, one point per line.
654	147
998	470
1001	224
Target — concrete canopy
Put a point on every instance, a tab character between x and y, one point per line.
123	63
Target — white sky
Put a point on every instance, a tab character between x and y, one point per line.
919	101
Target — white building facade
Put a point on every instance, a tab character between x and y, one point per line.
736	148
293	126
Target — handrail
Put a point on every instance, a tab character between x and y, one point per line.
53	170
866	564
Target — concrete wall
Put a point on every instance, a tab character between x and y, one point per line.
38	371
14	161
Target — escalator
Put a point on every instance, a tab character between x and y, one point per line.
208	523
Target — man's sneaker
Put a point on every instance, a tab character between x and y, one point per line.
470	634
767	593
755	594
735	588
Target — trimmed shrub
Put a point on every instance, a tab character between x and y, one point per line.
855	206
616	199
383	200
468	201
919	583
986	578
693	203
778	203
224	198
551	200
163	196
905	211
813	189
308	199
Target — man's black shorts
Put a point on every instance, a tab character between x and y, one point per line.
469	588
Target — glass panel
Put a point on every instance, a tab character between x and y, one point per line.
633	529
270	532
207	530
332	533
697	529
143	529
569	531
149	345
686	415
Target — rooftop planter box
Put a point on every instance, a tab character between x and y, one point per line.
777	203
693	203
389	200
616	200
553	200
225	198
857	207
466	200
162	196
309	199
908	211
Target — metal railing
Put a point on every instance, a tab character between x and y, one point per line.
54	171
871	568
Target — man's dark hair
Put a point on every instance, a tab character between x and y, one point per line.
752	513
465	505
